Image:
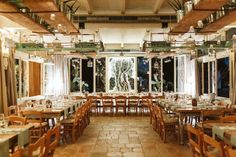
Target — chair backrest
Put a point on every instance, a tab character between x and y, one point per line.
212	148
120	100
12	110
133	101
145	100
195	140
17	153
211	115
37	149
16	120
228	119
107	100
93	100
230	152
52	140
32	116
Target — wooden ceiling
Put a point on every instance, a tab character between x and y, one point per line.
123	7
49	6
203	9
20	18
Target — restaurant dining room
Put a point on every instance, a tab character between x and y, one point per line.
117	78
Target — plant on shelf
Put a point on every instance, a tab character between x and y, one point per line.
178	6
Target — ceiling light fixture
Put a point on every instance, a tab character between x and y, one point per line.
52	17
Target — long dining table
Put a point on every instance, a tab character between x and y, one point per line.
185	109
225	132
13	135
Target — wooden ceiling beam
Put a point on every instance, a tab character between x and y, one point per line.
123	6
88	6
157	6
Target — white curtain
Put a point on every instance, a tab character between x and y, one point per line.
191	81
61	77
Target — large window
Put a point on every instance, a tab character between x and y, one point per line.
143	74
101	75
156	75
75	78
87	75
223	77
121	74
168	74
205	68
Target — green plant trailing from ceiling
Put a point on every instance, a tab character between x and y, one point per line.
176	4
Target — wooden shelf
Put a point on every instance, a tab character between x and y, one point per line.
217	25
191	18
21	19
49	6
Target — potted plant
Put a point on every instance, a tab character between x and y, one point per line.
178	6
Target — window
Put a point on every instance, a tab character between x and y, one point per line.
75	78
156	75
223	77
121	74
143	74
168	74
205	78
101	75
87	75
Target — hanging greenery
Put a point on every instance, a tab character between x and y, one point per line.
176	4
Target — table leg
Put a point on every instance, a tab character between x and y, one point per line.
181	128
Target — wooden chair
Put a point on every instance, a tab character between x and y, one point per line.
228	119
144	104
168	124
17	153
195	137
209	116
71	127
94	103
133	102
212	148
12	110
120	103
52	140
36	149
16	120
40	127
230	152
107	103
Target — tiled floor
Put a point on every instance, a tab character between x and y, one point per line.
121	137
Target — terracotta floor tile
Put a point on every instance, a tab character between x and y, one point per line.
129	136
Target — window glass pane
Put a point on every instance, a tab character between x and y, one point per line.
223	77
168	74
75	78
87	75
156	75
205	66
101	75
143	74
121	74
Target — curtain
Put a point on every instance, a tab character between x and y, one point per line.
3	88
11	79
61	83
197	78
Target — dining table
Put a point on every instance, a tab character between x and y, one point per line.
13	135
185	108
225	132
